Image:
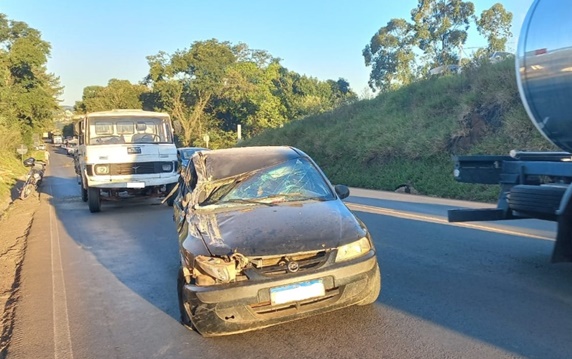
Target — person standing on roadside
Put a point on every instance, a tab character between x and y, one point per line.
47	156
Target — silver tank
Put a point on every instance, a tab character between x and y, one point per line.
544	69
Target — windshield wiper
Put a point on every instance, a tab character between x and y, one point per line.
249	201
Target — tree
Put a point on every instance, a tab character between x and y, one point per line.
118	94
185	82
441	28
390	54
494	24
28	93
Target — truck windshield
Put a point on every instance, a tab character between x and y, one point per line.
129	130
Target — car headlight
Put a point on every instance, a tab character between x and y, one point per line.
217	268
167	167
101	169
353	250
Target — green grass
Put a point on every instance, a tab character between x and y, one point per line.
409	136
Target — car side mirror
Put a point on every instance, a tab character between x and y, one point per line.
342	191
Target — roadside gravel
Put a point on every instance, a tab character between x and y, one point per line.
16	217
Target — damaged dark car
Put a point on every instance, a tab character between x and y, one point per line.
264	238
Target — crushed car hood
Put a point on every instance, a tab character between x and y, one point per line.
270	230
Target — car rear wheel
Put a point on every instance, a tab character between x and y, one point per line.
184	307
374	286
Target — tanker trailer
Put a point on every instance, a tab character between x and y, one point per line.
535	184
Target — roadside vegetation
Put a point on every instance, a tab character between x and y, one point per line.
28	96
408	136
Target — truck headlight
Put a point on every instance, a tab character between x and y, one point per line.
101	169
167	167
353	250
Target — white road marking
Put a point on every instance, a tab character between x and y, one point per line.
439	220
62	336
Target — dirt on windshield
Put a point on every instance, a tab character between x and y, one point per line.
16	217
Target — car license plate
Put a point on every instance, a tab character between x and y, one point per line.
297	291
135	184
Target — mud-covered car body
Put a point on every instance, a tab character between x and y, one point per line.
265	238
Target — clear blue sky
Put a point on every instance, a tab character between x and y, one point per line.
94	41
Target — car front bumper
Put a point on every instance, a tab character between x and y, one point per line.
244	306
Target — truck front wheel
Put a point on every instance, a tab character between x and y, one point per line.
93	199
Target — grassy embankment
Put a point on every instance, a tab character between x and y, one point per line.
409	136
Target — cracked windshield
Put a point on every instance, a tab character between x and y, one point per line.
293	180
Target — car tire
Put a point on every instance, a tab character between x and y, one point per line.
184	309
536	201
374	286
93	199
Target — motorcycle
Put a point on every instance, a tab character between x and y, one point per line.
33	178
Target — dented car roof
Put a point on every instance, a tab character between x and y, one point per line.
220	164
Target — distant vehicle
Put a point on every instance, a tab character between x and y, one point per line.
445	69
264	238
40	147
499	56
185	153
57	140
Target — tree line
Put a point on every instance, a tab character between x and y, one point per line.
28	93
403	51
213	86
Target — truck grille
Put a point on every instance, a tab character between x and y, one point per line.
137	168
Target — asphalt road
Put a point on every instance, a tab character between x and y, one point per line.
104	286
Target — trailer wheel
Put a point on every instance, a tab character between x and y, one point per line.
93	199
536	201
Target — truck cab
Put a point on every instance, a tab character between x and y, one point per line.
124	154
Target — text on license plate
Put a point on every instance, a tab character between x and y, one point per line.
297	291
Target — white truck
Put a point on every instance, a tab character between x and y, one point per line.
124	154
